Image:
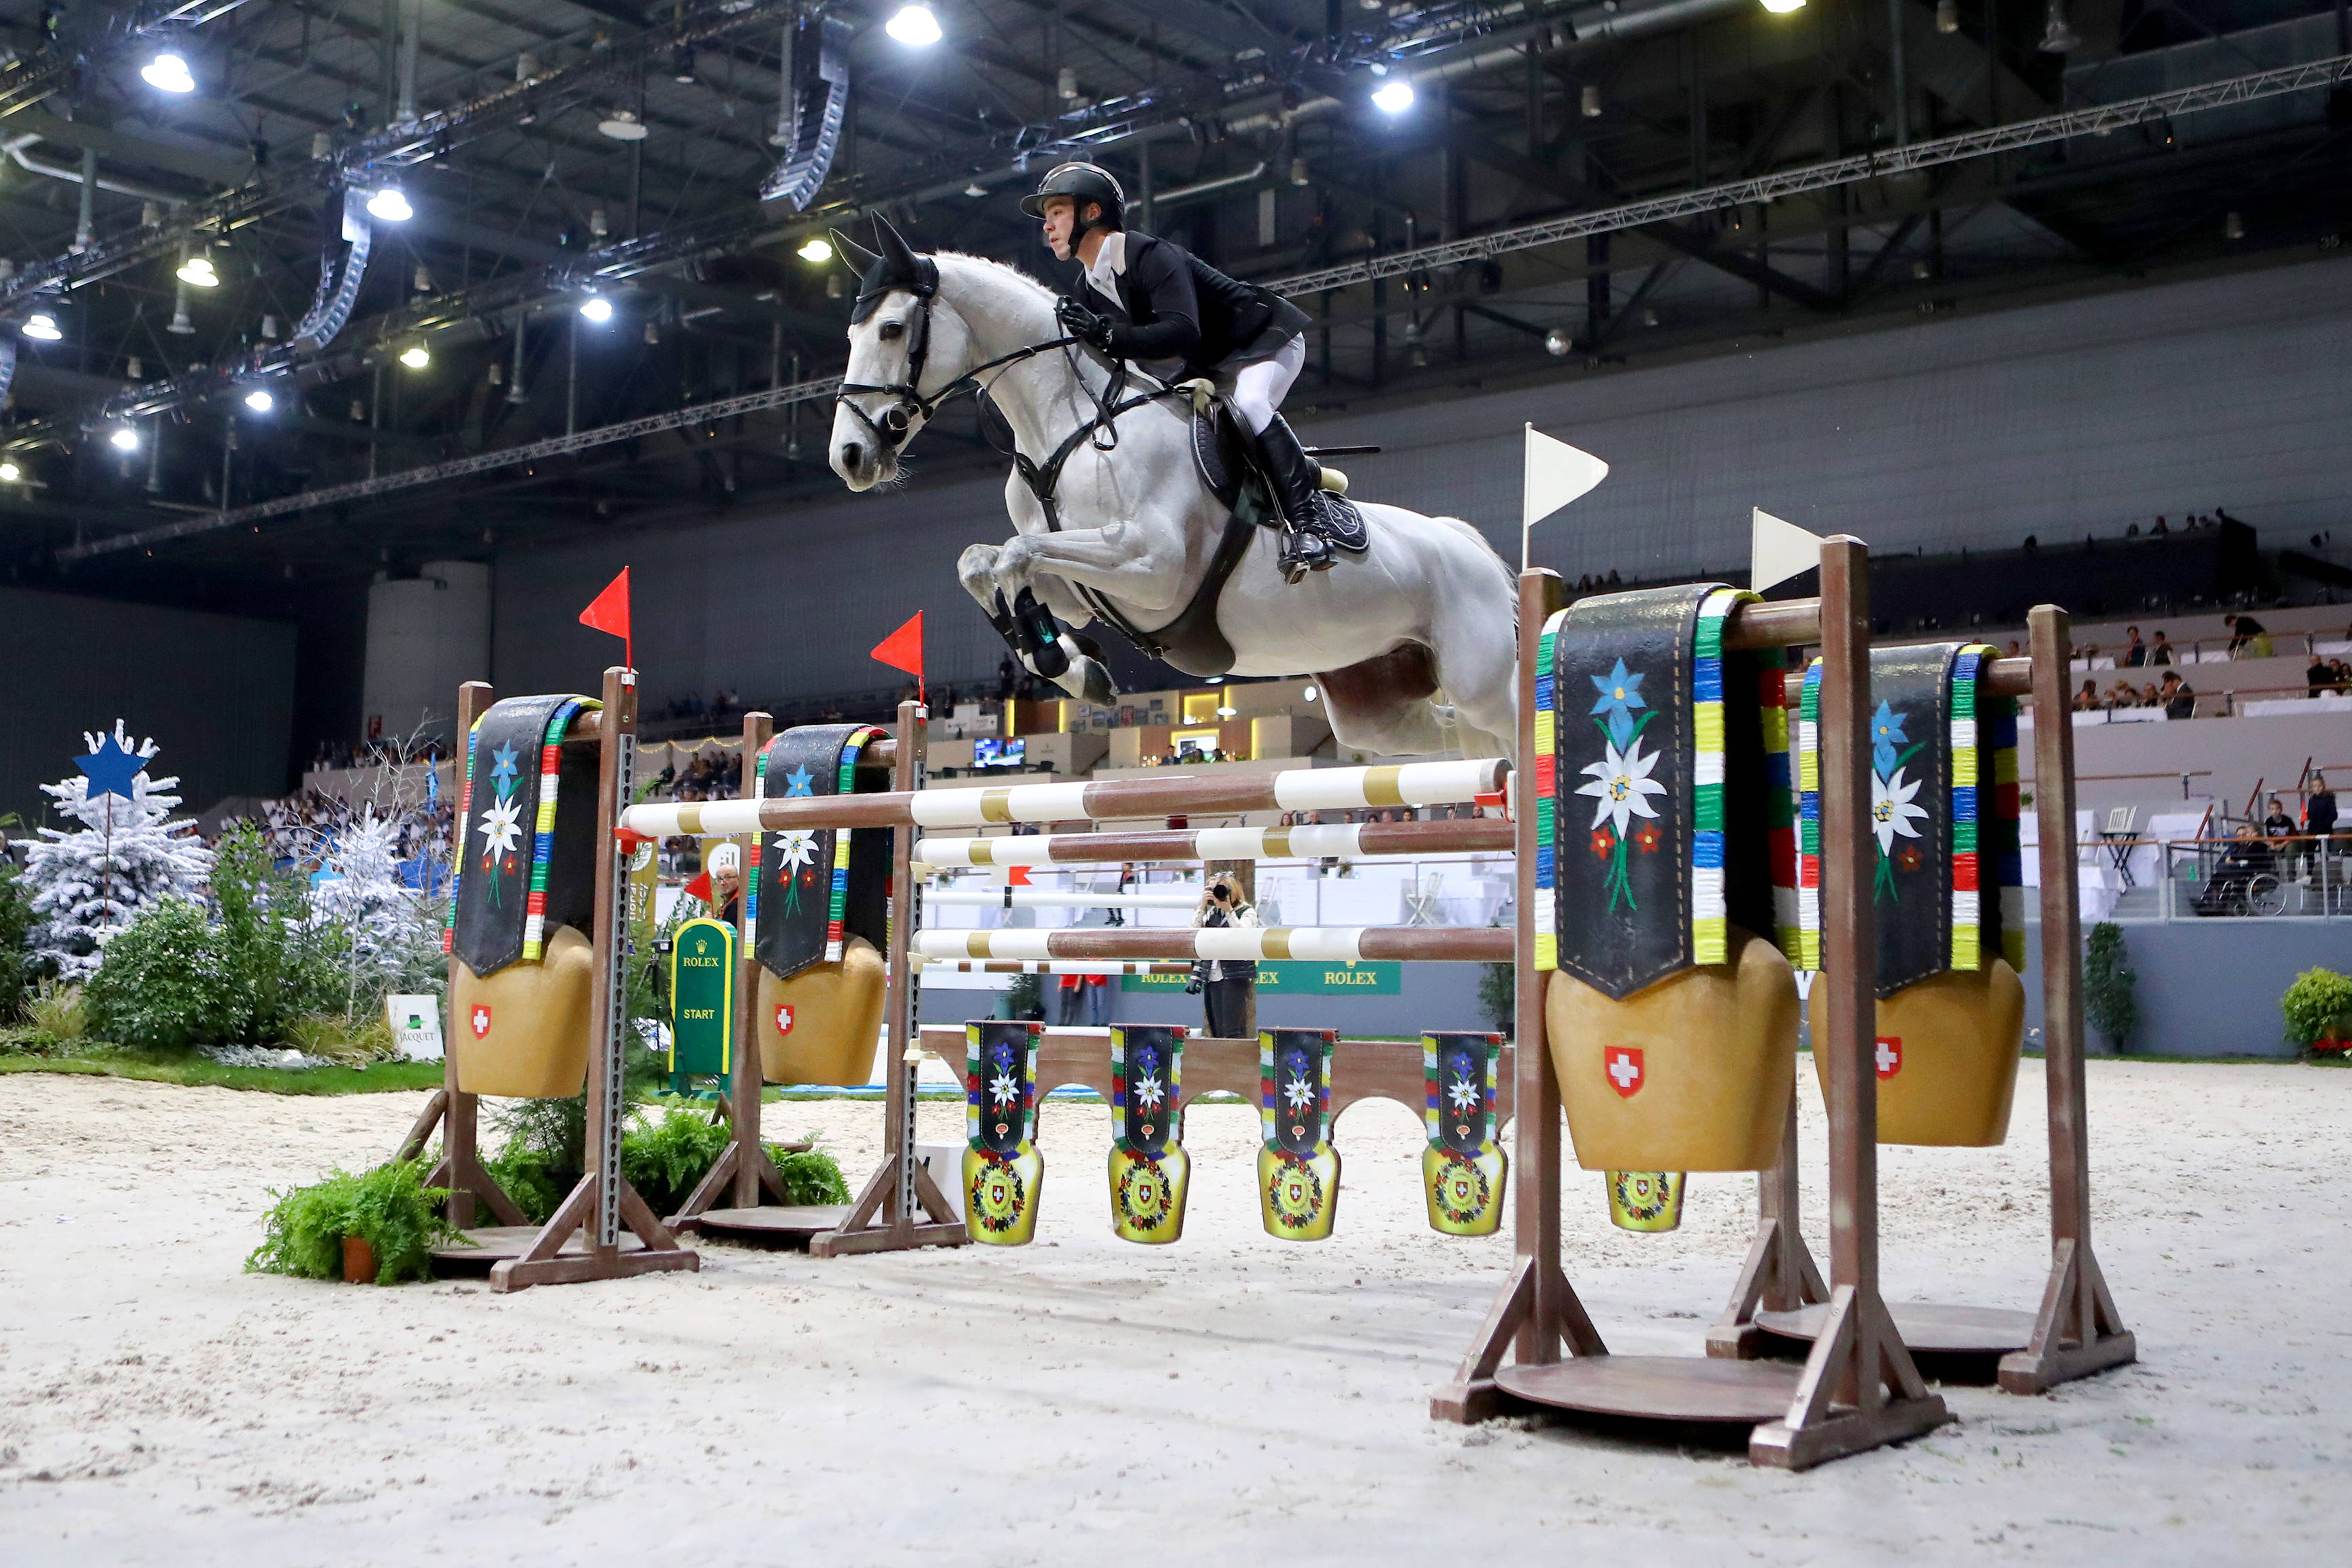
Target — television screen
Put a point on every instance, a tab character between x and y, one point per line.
988	752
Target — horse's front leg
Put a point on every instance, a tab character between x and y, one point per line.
1081	675
1142	568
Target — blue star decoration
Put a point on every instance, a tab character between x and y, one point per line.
503	760
110	769
797	781
1621	693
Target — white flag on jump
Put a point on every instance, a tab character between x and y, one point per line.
1557	474
1779	550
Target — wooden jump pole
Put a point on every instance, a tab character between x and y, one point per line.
1347	841
458	1113
1859	1388
603	1202
901	1195
2078	1330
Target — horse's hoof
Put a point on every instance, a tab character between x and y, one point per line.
1098	687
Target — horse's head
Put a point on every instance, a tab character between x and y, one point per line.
904	343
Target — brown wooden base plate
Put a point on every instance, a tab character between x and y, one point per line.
1658	1388
497	1243
771	1222
1928	1328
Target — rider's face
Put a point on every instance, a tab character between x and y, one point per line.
1061	217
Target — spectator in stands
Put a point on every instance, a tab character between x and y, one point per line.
2121	695
2180	698
2160	530
2247	638
2319	808
726	881
2088	700
1007	674
2150	697
2015	651
2162	652
2248	856
2320	675
2278	823
2135	654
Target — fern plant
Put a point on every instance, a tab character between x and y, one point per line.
390	1208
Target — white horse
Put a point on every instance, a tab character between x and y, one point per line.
1412	643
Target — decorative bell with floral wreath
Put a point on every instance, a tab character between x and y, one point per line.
1003	1174
1462	1169
1298	1169
1947	892
1151	1174
1666	871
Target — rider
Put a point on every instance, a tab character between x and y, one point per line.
1140	297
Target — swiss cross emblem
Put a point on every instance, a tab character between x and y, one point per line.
481	1021
1623	1064
784	1017
1889	1055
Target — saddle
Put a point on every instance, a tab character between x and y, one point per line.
1192	642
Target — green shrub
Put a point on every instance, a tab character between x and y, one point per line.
2318	1006
390	1208
160	987
17	964
274	965
811	1176
1498	995
57	1012
332	1037
2107	981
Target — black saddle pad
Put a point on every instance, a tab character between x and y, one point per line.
1232	476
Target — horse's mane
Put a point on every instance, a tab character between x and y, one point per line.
1005	270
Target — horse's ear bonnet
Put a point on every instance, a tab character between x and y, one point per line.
898	265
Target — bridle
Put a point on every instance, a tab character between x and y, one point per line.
897	420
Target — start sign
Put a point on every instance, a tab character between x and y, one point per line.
703	998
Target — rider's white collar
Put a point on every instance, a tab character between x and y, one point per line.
1111	260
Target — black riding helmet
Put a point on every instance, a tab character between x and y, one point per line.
1082	182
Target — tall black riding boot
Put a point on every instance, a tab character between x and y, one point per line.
1298	489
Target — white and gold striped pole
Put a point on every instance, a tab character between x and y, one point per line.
1329	944
1349	841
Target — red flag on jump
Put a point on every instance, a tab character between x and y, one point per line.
609	612
903	649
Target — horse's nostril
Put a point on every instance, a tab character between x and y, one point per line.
851	454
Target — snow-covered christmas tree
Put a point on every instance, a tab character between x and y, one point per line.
396	930
91	883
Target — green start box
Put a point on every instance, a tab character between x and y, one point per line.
703	998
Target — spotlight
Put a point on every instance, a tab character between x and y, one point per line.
181	325
2234	227
260	402
1782	7
915	25
1589	100
42	327
1308	694
1393	97
1947	15
623	125
681	64
596	308
416	356
2057	38
125	439
390	205
197	271
1557	343
1298	175
10	473
169	73
817	251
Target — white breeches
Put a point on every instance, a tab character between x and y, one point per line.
1259	389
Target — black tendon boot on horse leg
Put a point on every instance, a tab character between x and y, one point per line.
1298	486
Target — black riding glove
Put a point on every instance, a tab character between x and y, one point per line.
1096	331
